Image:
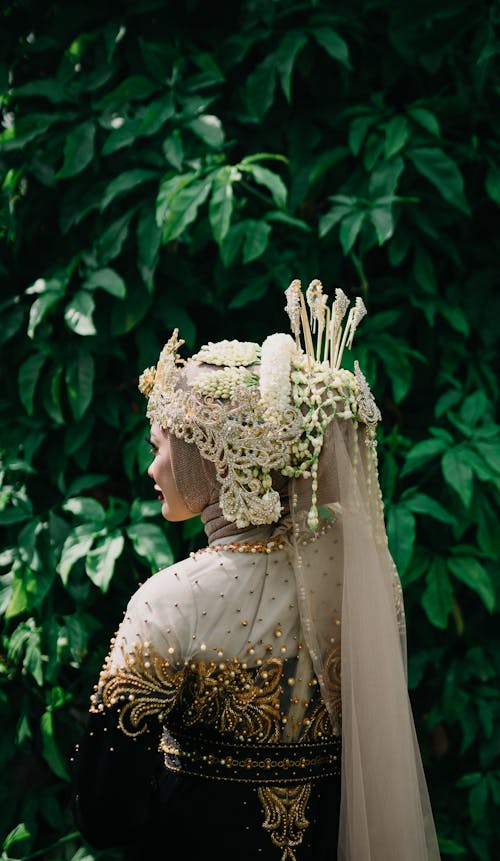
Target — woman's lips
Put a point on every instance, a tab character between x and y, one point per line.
160	496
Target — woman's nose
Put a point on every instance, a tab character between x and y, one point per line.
150	470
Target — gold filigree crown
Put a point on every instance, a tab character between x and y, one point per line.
253	409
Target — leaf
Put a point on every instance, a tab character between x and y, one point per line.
397	133
108	280
420	503
450	847
256	239
148	245
251	293
443	173
78	314
272	181
122	136
110	242
437	599
50	750
183	207
209	129
456	318
426	119
221	202
490	451
157	114
285	57
493	183
100	561
458	474
350	227
125	182
75	547
78	150
424	272
132	88
47	88
383	222
28	128
422	453
40	307
151	543
28	376
174	151
260	86
478	797
401	535
358	130
18	834
332	217
333	44
232	243
80	382
51	395
384	178
475	576
86	508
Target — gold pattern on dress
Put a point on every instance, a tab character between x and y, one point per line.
235	699
146	685
332	683
285	819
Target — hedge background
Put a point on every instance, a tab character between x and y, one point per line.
178	164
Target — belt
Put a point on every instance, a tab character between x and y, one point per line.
251	763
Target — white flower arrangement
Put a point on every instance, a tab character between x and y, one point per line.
278	350
221	384
230	353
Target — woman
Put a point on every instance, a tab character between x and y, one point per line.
219	715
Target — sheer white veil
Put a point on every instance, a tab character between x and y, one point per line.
352	613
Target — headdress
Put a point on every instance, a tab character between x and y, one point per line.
288	408
252	409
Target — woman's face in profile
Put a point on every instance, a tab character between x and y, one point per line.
173	507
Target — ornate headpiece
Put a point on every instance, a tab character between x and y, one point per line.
253	409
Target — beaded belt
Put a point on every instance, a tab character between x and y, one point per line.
251	763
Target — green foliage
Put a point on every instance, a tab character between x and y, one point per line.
177	165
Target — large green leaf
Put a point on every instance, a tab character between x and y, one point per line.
443	172
50	748
221	202
401	531
150	542
457	473
475	576
209	129
132	88
182	207
271	180
286	56
80	382
108	280
125	182
100	560
333	44
28	376
438	596
79	313
78	150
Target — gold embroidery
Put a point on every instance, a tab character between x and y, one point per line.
234	699
285	819
332	682
146	685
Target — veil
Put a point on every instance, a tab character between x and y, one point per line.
352	616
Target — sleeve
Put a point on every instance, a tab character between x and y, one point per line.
117	764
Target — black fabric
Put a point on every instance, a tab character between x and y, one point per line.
124	797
